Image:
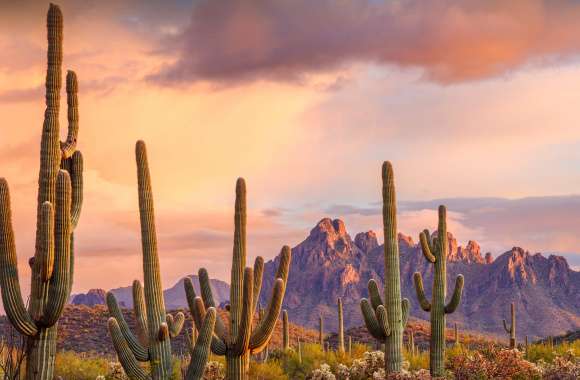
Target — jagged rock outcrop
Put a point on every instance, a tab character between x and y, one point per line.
91	298
328	265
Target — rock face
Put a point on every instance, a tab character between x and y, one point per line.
91	298
328	264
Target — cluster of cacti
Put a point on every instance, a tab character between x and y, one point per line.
435	249
340	326
285	332
241	340
511	330
386	320
156	328
60	194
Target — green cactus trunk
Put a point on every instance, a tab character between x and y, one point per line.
340	327
321	332
242	339
435	251
58	210
511	330
386	320
285	332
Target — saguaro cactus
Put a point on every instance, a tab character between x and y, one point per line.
155	326
386	320
321	332
340	327
412	347
512	329
435	250
60	190
285	332
241	340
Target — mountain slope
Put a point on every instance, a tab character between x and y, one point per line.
329	264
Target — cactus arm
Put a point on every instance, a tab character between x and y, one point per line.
242	340
140	313
46	241
208	300
371	322
284	265
285	332
189	339
456	298
198	312
139	352
175	324
163	333
507	330
423	302
69	146
374	294
426	246
383	320
58	291
261	335
11	295
239	258
201	350
258	273
128	361
405	306
76	176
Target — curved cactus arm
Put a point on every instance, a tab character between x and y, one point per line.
11	295
69	146
383	320
241	341
139	352
456	298
75	170
189	339
405	307
426	246
58	290
46	248
284	265
374	294
420	290
175	324
507	330
125	354
197	309
258	273
371	321
140	313
201	350
208	301
261	335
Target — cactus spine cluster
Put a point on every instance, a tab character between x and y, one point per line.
155	326
60	189
340	327
435	250
512	329
285	332
386	320
241	340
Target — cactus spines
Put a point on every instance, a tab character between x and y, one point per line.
511	330
156	327
321	332
435	250
285	332
58	209
241	339
386	319
340	326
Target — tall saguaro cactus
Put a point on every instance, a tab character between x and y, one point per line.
241	340
60	190
285	332
321	332
435	250
155	326
340	326
386	320
512	329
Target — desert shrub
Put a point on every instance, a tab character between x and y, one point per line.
322	373
366	367
546	353
566	367
270	370
418	361
72	366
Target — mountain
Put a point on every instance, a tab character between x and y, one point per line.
174	296
328	264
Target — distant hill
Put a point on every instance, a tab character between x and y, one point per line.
329	264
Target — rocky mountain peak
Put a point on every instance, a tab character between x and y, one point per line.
91	298
405	240
328	229
518	267
488	258
366	241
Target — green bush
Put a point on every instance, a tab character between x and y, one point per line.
73	366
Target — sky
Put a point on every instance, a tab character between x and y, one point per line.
474	102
